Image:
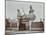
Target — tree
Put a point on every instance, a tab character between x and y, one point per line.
31	17
31	14
19	14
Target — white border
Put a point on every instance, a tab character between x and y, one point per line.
2	16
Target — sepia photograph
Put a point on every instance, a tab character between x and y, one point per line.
23	17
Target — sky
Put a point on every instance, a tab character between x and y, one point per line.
12	6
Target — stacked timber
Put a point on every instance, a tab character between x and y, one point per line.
23	23
37	26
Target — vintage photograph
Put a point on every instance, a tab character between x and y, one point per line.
24	17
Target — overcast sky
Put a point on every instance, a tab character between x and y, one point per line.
11	8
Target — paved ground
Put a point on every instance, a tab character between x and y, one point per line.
21	32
